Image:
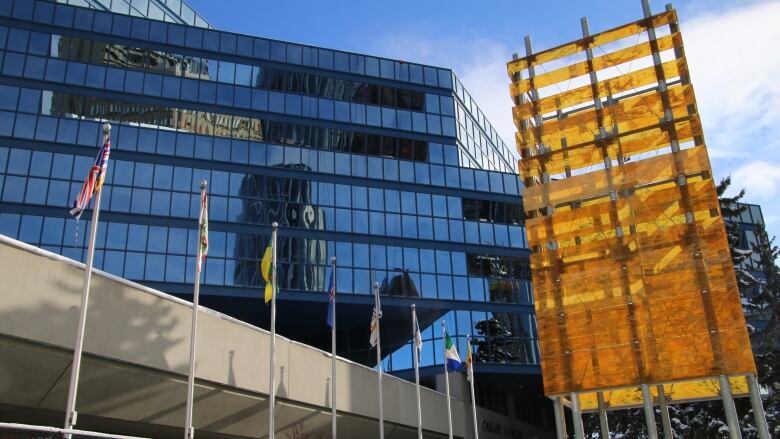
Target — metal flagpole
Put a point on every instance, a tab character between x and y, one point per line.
333	352
471	380
189	432
70	409
758	408
416	356
446	378
272	360
377	307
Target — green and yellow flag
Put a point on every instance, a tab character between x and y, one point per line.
267	268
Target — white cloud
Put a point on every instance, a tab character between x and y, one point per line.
733	62
759	178
734	71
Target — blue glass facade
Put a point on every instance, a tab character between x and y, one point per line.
748	227
387	165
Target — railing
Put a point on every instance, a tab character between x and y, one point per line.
13	430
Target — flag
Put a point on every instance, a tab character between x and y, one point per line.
469	360
204	229
266	267
417	336
451	353
94	181
332	292
377	314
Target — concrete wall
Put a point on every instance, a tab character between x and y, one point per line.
137	351
134	325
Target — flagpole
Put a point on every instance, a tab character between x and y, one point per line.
416	355
447	378
333	353
471	380
379	366
272	369
70	410
189	431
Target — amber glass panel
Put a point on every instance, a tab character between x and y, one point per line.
631	268
617	57
600	183
623	145
595	40
627	115
677	392
630	81
653	208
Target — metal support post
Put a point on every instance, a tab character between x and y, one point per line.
560	418
576	414
728	406
666	421
603	416
646	11
647	400
758	407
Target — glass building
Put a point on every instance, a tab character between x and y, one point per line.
749	228
387	165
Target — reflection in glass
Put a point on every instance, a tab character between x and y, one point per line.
289	202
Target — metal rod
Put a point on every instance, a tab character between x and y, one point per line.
603	421
416	355
471	381
560	420
666	421
646	8
728	406
66	431
333	353
447	379
189	431
576	414
758	407
647	400
379	366
272	360
75	371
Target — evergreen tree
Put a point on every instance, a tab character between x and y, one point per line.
705	420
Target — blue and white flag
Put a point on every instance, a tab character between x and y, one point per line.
332	292
451	354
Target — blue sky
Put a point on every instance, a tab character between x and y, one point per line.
729	44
